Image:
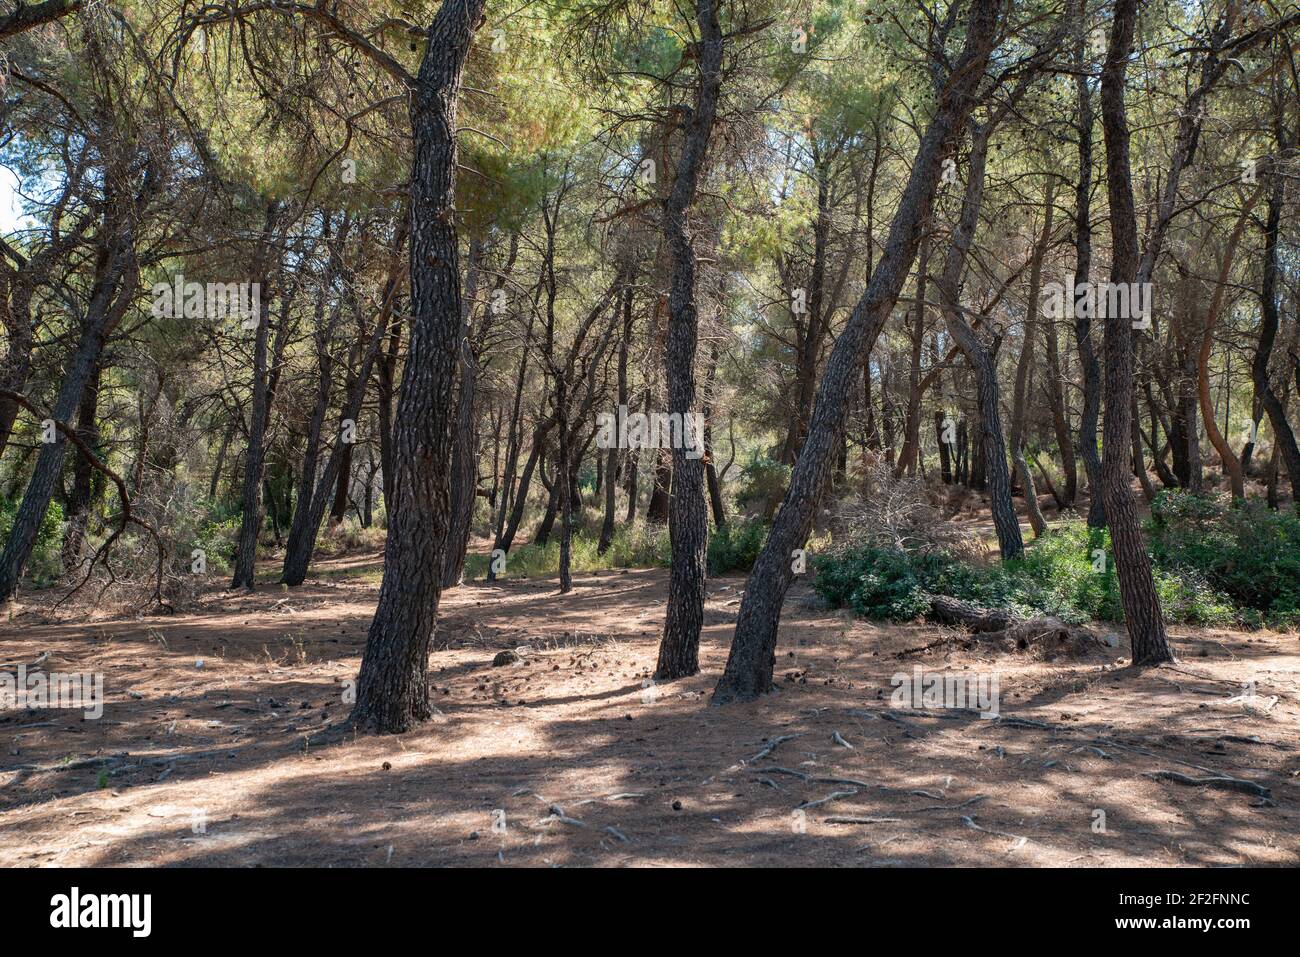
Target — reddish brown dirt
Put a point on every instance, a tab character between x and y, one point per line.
643	776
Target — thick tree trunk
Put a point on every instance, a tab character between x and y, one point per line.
688	527
1142	612
749	665
392	690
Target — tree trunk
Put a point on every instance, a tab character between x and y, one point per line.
337	473
1231	464
749	666
981	357
611	457
84	477
1089	365
1284	440
464	452
1020	399
250	526
1142	613
392	690
688	527
912	423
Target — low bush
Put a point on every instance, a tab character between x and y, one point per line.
736	545
1068	574
1244	550
44	566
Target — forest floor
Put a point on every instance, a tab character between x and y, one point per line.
218	744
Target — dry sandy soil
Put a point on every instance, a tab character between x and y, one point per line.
567	757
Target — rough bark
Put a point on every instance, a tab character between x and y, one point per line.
688	525
1142	612
749	665
1284	440
250	525
980	355
392	691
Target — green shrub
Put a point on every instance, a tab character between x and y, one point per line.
217	538
44	565
1061	575
1068	574
891	584
641	546
1246	551
761	481
736	545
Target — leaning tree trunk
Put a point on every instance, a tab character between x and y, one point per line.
749	666
1142	614
337	473
392	691
109	299
688	525
506	539
312	497
981	357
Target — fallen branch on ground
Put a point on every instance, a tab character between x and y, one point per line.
1219	782
997	625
